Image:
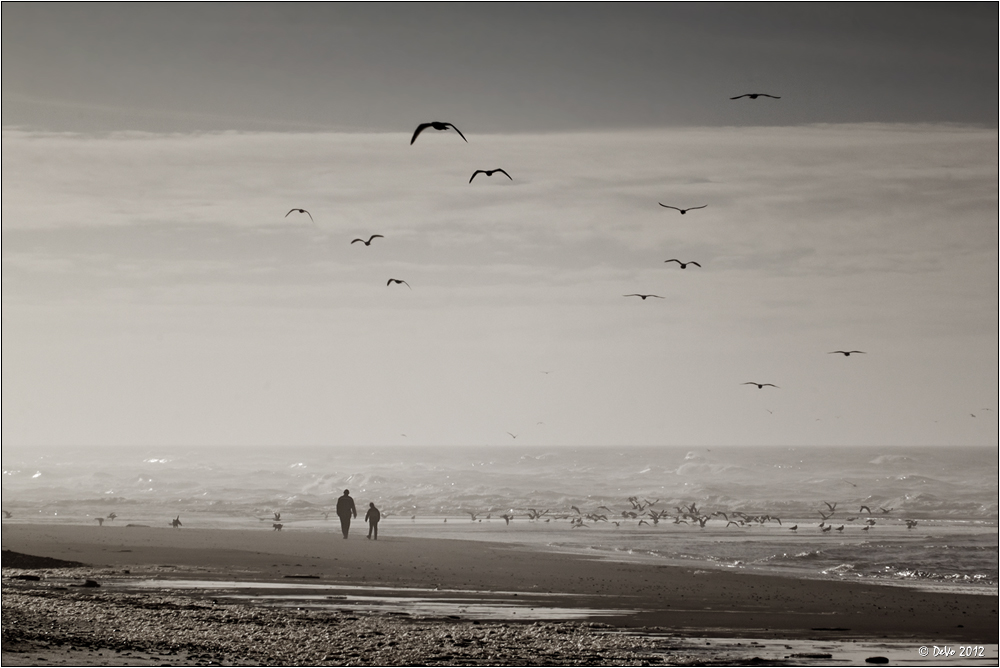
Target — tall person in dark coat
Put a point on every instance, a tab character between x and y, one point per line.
372	517
345	511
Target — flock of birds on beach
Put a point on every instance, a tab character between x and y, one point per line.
641	512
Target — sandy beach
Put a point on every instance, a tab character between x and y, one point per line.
611	595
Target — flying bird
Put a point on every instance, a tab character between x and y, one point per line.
754	96
683	211
489	172
291	211
369	242
643	297
512	435
684	265
761	386
847	353
397	281
437	125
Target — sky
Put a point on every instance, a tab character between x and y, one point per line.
155	292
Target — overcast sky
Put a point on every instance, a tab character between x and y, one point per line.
154	292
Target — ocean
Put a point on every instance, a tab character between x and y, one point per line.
931	512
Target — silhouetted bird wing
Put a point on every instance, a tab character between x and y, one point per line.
375	236
478	171
396	280
694	263
694	208
416	133
458	131
674	260
504	172
667	206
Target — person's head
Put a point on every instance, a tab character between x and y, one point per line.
371	504
347	492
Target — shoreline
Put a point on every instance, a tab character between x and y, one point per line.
645	598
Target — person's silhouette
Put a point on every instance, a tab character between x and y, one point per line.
372	517
346	510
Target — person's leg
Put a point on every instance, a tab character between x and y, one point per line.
345	524
375	529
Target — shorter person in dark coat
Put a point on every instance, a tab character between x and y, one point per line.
372	517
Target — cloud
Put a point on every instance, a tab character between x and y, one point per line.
814	237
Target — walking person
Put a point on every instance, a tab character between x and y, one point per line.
346	510
372	517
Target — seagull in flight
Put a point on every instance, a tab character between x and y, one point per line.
512	435
643	297
683	265
847	353
369	242
397	281
291	211
761	386
489	172
683	211
754	96
437	125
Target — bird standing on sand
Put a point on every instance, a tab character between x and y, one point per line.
684	265
369	242
291	211
490	172
754	96
397	281
176	522
643	297
437	125
761	386
683	211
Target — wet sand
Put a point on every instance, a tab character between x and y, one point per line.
656	599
